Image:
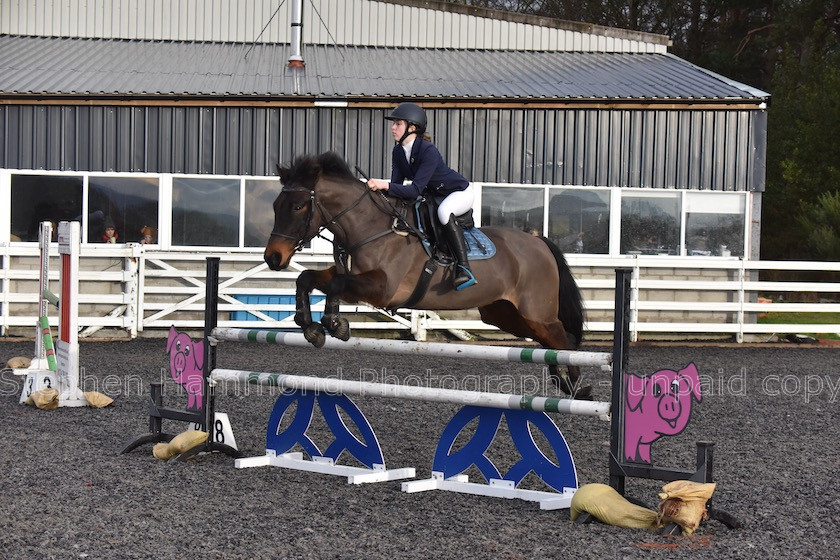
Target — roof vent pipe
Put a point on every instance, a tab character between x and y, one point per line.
295	59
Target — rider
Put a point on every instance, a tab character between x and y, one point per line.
416	158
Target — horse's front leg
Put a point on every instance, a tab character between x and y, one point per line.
337	325
362	287
368	287
306	282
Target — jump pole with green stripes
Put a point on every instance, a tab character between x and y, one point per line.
410	347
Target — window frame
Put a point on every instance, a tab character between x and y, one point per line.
165	180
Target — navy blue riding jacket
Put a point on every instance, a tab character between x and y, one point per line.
428	172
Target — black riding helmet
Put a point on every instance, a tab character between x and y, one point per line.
412	114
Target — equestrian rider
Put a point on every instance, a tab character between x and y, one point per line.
417	159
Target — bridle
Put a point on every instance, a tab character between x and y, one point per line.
301	239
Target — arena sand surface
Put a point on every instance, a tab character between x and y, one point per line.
772	412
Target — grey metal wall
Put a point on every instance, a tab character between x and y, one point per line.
340	22
693	149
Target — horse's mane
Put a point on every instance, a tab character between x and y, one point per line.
333	165
306	169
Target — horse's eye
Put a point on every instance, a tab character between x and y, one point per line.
299	206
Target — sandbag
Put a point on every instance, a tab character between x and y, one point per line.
179	444
608	506
19	362
684	503
163	451
45	399
187	440
97	400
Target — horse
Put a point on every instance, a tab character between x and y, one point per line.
526	289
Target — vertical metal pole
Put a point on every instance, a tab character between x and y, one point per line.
44	238
295	58
211	313
621	345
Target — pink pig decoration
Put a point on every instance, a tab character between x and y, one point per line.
186	362
656	406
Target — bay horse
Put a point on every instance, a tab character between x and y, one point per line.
526	289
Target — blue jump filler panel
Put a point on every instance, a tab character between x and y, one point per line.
258	300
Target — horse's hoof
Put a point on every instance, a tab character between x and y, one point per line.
337	326
341	330
314	334
583	393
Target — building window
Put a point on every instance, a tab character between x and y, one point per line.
579	220
259	210
205	212
520	208
127	203
650	223
43	198
714	224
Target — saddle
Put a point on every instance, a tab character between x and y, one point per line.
425	213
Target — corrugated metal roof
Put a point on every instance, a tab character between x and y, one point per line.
97	67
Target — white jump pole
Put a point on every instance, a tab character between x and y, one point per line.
428	394
410	347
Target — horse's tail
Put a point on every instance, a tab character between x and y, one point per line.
570	305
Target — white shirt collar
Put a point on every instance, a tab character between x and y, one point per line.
407	149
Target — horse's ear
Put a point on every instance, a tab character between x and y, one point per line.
283	172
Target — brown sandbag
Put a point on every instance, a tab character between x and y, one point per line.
19	362
187	440
97	400
608	506
684	503
45	399
179	444
163	451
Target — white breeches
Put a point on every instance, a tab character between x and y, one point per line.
455	203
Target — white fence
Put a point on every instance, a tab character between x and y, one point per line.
133	289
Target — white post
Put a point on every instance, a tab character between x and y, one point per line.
67	345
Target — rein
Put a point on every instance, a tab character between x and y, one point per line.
329	221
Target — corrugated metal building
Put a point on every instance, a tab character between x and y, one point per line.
166	89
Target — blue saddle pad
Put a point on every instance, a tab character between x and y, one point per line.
479	245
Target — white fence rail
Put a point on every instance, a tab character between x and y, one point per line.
133	289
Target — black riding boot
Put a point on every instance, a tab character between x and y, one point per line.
463	277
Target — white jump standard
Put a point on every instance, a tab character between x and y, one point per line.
65	378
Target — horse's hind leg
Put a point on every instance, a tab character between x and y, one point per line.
547	332
569	382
